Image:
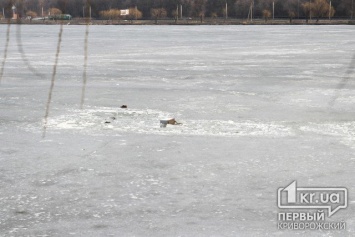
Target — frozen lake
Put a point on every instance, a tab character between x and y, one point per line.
260	107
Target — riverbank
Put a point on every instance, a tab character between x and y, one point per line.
186	21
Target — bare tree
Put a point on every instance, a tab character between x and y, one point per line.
242	8
318	9
134	14
54	11
291	15
31	14
266	14
214	15
110	14
321	8
199	8
157	13
292	6
175	14
345	8
307	10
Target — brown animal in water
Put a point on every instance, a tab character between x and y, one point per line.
165	122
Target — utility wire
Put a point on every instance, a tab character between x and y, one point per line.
85	66
23	54
343	82
54	73
5	50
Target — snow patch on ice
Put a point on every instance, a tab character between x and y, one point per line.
344	130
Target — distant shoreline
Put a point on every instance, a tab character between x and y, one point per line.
185	21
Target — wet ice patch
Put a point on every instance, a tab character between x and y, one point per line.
99	120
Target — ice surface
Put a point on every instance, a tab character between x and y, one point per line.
255	103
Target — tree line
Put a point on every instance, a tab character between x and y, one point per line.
153	9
